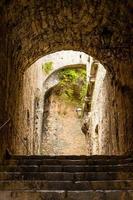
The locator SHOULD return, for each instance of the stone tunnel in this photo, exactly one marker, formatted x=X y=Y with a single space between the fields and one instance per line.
x=100 y=28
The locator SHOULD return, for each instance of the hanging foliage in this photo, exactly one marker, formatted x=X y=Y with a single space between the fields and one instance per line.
x=72 y=85
x=47 y=67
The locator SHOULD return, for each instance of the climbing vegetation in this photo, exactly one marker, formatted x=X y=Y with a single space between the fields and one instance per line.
x=72 y=86
x=47 y=67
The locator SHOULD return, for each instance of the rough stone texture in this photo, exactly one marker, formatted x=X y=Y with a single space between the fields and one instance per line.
x=32 y=195
x=61 y=133
x=98 y=123
x=109 y=119
x=27 y=123
x=106 y=118
x=35 y=83
x=31 y=29
x=67 y=178
x=61 y=195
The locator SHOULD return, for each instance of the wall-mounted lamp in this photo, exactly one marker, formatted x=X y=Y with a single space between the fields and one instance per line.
x=79 y=112
x=106 y=35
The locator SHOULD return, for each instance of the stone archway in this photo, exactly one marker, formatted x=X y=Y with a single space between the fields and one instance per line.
x=48 y=26
x=61 y=127
x=65 y=129
x=35 y=83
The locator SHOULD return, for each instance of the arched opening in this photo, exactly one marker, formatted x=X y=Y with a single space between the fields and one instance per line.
x=47 y=28
x=97 y=124
x=29 y=106
x=37 y=81
x=105 y=126
x=61 y=130
x=61 y=113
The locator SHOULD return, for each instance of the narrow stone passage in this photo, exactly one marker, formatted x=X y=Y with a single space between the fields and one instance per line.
x=63 y=135
x=54 y=88
x=98 y=35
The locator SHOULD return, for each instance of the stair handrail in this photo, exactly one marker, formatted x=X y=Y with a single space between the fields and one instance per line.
x=17 y=135
x=5 y=123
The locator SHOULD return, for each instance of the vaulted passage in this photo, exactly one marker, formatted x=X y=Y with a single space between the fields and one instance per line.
x=52 y=91
x=50 y=26
x=31 y=30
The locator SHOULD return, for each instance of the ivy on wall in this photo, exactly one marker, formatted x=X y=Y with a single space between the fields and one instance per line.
x=72 y=85
x=47 y=67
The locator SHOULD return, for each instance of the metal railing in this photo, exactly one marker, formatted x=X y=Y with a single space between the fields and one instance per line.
x=4 y=124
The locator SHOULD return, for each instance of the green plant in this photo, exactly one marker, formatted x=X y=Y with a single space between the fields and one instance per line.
x=47 y=67
x=72 y=86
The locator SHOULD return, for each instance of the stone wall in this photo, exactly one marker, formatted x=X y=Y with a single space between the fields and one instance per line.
x=3 y=95
x=28 y=112
x=61 y=133
x=28 y=115
x=5 y=63
x=32 y=29
x=109 y=118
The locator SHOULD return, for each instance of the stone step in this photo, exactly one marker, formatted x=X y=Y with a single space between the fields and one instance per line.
x=67 y=168
x=67 y=185
x=66 y=161
x=73 y=157
x=67 y=195
x=66 y=176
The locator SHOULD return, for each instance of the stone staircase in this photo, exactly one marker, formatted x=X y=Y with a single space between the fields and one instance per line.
x=67 y=178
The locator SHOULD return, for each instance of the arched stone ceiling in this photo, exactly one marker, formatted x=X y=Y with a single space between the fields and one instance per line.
x=36 y=28
x=48 y=78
